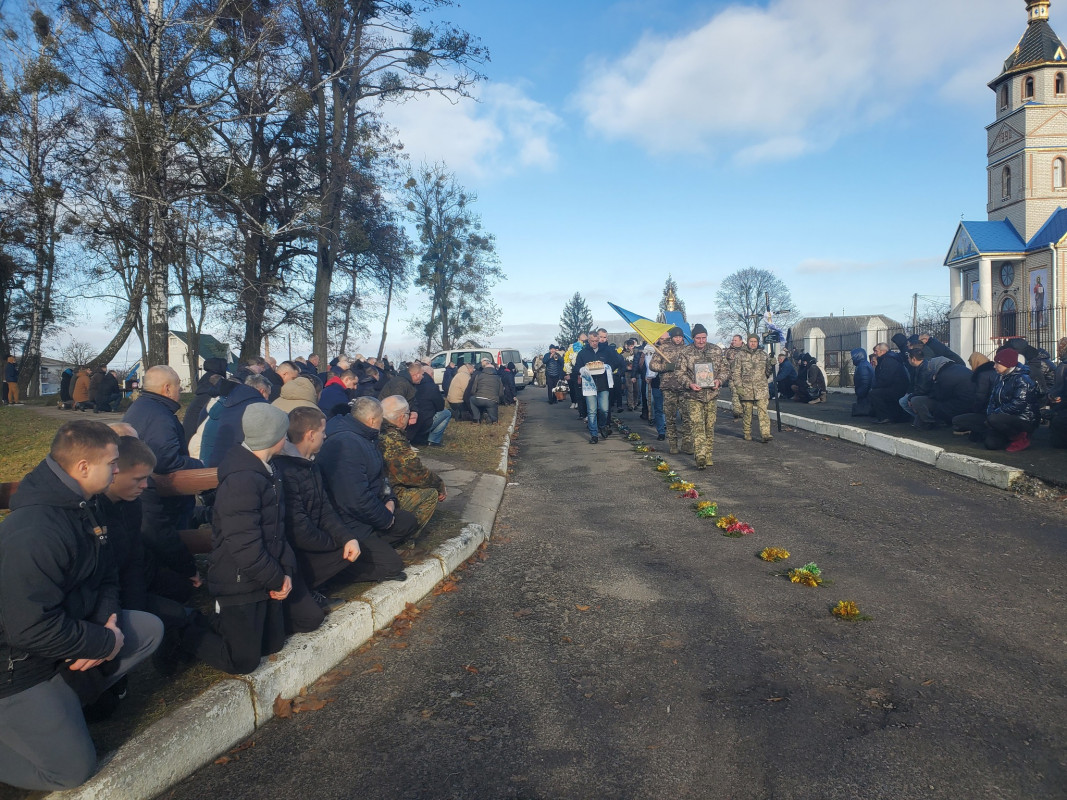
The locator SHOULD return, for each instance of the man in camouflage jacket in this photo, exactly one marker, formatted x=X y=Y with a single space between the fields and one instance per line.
x=702 y=408
x=667 y=361
x=751 y=369
x=417 y=489
x=737 y=345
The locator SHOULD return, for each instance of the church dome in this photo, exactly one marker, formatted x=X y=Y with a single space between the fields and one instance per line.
x=1039 y=45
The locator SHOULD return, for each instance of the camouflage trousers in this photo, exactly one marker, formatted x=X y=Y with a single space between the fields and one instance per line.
x=760 y=407
x=702 y=423
x=736 y=399
x=679 y=435
x=420 y=502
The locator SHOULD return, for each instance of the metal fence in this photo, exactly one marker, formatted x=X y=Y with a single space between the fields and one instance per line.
x=1040 y=327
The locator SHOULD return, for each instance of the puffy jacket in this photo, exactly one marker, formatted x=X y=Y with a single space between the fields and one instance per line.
x=458 y=386
x=863 y=379
x=935 y=348
x=891 y=374
x=299 y=392
x=80 y=393
x=311 y=523
x=553 y=367
x=106 y=389
x=428 y=402
x=1014 y=393
x=399 y=385
x=354 y=475
x=788 y=372
x=206 y=388
x=983 y=378
x=486 y=383
x=222 y=429
x=921 y=379
x=249 y=554
x=58 y=583
x=152 y=416
x=334 y=398
x=952 y=388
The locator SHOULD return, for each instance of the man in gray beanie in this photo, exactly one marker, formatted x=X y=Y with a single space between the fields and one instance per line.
x=252 y=565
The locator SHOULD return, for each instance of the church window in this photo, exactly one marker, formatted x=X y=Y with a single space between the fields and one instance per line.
x=1028 y=88
x=1059 y=173
x=1004 y=97
x=1007 y=317
x=1005 y=182
x=1061 y=83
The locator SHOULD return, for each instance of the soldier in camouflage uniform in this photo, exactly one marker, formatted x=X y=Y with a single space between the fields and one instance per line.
x=737 y=344
x=674 y=385
x=417 y=489
x=701 y=401
x=751 y=369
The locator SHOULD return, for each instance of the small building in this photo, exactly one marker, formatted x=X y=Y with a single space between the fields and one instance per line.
x=210 y=347
x=52 y=374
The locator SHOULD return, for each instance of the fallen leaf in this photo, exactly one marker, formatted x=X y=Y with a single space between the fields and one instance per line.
x=469 y=703
x=581 y=608
x=774 y=699
x=310 y=704
x=375 y=668
x=244 y=746
x=446 y=587
x=222 y=760
x=472 y=670
x=654 y=747
x=523 y=612
x=590 y=694
x=283 y=708
x=427 y=713
x=398 y=645
x=927 y=683
x=855 y=483
x=565 y=639
x=476 y=738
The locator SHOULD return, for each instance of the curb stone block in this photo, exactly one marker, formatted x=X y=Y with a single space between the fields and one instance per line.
x=919 y=451
x=988 y=472
x=828 y=429
x=309 y=656
x=882 y=442
x=190 y=737
x=459 y=548
x=853 y=434
x=388 y=599
x=484 y=500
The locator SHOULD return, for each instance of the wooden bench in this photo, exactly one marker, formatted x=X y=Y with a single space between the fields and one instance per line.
x=174 y=484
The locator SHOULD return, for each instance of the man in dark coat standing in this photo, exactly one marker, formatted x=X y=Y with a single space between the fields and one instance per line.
x=553 y=362
x=354 y=474
x=152 y=415
x=59 y=603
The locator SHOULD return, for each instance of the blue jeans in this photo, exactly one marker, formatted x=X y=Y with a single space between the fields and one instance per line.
x=596 y=409
x=905 y=404
x=657 y=412
x=437 y=429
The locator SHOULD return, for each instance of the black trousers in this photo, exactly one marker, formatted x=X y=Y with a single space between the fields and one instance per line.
x=995 y=430
x=238 y=636
x=378 y=559
x=552 y=380
x=886 y=404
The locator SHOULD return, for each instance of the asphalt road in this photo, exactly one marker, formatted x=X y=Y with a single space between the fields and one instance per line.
x=614 y=645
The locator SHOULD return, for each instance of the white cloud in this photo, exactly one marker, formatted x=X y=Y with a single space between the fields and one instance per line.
x=504 y=133
x=770 y=83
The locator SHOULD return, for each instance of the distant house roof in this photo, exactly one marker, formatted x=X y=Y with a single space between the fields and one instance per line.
x=1039 y=45
x=839 y=326
x=210 y=347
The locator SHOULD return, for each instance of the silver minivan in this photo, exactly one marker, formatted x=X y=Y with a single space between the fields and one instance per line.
x=500 y=357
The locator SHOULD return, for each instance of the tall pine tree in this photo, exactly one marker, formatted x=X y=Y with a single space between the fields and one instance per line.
x=576 y=319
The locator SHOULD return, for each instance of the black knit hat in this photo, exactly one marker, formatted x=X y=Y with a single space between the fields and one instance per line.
x=675 y=331
x=698 y=328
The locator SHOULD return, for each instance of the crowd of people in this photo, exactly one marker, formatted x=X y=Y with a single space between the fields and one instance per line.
x=998 y=402
x=673 y=384
x=319 y=484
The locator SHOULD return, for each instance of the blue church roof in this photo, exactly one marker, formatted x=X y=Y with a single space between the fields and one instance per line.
x=1051 y=232
x=994 y=237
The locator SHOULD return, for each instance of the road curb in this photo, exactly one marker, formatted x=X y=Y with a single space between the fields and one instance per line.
x=229 y=712
x=988 y=472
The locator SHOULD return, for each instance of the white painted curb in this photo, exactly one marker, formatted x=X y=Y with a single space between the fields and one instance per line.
x=230 y=711
x=988 y=472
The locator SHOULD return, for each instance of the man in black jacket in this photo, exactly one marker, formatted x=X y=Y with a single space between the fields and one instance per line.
x=170 y=564
x=553 y=371
x=432 y=417
x=324 y=547
x=951 y=394
x=252 y=565
x=354 y=474
x=890 y=384
x=60 y=612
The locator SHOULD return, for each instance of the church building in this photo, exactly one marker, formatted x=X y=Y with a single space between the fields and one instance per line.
x=1008 y=273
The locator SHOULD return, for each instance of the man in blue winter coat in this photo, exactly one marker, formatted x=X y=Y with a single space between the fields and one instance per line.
x=863 y=381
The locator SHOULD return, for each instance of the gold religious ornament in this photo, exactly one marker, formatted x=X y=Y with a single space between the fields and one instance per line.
x=671 y=300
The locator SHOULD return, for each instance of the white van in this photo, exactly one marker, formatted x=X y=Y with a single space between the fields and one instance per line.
x=499 y=357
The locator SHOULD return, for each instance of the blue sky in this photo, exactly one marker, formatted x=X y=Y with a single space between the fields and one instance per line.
x=834 y=142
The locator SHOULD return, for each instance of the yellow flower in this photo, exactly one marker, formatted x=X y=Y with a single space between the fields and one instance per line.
x=846 y=609
x=662 y=467
x=804 y=577
x=727 y=521
x=774 y=554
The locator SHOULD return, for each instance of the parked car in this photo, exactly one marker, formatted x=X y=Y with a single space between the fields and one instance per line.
x=500 y=357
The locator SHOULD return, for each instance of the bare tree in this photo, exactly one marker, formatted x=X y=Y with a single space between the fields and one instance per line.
x=742 y=301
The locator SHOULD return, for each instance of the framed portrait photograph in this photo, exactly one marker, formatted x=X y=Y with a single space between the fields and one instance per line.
x=705 y=375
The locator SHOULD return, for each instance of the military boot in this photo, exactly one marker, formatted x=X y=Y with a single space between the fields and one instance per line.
x=672 y=447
